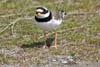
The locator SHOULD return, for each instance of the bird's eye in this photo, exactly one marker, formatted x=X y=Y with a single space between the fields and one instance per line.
x=36 y=12
x=45 y=11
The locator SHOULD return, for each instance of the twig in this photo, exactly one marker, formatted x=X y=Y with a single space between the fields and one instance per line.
x=9 y=15
x=29 y=18
x=13 y=23
x=5 y=28
x=9 y=25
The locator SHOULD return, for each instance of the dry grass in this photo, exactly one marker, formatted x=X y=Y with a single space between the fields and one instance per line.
x=79 y=34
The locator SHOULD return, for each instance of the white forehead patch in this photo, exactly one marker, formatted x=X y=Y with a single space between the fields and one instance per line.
x=39 y=10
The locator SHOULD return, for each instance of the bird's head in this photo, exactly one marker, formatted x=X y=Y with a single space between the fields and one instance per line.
x=42 y=12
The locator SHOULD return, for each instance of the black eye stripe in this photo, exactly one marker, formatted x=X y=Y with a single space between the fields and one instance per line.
x=44 y=10
x=38 y=12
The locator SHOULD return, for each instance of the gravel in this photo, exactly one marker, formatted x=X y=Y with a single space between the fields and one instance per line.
x=53 y=61
x=49 y=60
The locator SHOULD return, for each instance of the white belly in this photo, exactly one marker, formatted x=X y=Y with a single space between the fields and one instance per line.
x=53 y=24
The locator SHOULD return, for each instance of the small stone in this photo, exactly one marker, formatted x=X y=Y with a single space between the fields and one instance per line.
x=54 y=60
x=64 y=62
x=71 y=60
x=69 y=57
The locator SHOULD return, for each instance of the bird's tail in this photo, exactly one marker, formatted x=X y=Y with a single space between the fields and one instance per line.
x=62 y=14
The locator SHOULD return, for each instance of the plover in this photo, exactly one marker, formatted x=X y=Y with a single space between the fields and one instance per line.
x=48 y=20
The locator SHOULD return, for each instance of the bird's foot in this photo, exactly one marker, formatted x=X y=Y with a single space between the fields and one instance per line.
x=45 y=46
x=55 y=46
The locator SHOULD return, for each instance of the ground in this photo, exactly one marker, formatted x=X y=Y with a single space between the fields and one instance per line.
x=21 y=41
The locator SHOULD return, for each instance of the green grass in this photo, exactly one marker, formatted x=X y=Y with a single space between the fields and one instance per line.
x=75 y=40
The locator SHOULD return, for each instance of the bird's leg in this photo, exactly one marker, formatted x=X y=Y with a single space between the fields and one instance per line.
x=45 y=37
x=55 y=42
x=34 y=37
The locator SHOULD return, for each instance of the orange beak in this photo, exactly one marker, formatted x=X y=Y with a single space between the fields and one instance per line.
x=39 y=14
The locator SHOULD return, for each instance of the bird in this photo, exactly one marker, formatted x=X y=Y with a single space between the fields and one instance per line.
x=46 y=20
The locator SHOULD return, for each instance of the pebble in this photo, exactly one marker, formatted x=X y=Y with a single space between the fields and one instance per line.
x=12 y=51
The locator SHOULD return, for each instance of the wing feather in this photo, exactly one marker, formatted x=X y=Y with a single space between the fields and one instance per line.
x=57 y=14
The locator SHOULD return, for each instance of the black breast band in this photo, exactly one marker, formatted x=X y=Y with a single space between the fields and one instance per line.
x=44 y=19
